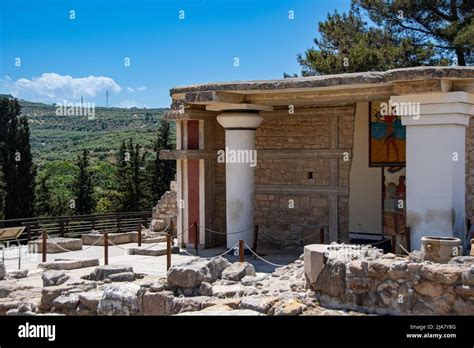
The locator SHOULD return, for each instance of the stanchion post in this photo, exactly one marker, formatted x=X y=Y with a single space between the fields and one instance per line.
x=241 y=250
x=168 y=251
x=139 y=235
x=407 y=237
x=19 y=254
x=255 y=239
x=106 y=248
x=44 y=246
x=321 y=235
x=196 y=237
x=394 y=243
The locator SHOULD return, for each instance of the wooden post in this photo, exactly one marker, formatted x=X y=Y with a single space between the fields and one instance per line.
x=255 y=239
x=106 y=248
x=196 y=239
x=171 y=225
x=61 y=228
x=28 y=232
x=408 y=237
x=139 y=235
x=168 y=251
x=119 y=223
x=19 y=254
x=321 y=235
x=394 y=243
x=44 y=246
x=37 y=228
x=241 y=251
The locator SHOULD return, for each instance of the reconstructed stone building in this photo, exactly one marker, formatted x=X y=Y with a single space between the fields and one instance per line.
x=317 y=140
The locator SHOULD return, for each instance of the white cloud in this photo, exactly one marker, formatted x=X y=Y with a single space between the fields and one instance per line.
x=50 y=87
x=139 y=89
x=131 y=104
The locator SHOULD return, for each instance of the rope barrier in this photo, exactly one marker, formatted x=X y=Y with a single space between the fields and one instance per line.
x=67 y=250
x=186 y=252
x=296 y=242
x=379 y=242
x=308 y=237
x=405 y=250
x=232 y=248
x=186 y=230
x=224 y=233
x=261 y=258
x=118 y=246
x=212 y=257
x=151 y=246
x=8 y=259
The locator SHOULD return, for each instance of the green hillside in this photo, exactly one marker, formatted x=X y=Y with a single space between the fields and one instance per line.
x=64 y=137
x=56 y=142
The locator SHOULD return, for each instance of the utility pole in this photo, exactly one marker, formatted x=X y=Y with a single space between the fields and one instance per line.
x=107 y=98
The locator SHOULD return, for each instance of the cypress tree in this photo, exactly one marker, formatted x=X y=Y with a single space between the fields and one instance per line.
x=44 y=205
x=83 y=188
x=161 y=172
x=2 y=194
x=26 y=171
x=130 y=177
x=16 y=161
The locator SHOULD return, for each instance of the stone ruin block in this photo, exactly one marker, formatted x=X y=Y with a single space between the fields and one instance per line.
x=56 y=245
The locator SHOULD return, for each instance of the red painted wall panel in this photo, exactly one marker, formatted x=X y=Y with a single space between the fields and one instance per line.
x=193 y=180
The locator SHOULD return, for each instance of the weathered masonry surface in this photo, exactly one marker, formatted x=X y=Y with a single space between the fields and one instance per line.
x=305 y=145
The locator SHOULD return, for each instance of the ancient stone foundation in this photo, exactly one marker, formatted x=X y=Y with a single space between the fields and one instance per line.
x=361 y=278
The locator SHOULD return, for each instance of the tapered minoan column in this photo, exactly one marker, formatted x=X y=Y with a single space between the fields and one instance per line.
x=435 y=162
x=240 y=157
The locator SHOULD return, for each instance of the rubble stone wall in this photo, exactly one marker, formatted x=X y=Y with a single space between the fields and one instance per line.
x=166 y=208
x=387 y=284
x=470 y=170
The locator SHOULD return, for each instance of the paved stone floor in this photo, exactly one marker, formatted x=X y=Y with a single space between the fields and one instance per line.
x=151 y=265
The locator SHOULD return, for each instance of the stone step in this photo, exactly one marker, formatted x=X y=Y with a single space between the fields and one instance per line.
x=156 y=251
x=63 y=264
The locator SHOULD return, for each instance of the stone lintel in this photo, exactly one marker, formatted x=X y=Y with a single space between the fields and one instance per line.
x=303 y=153
x=224 y=106
x=302 y=190
x=177 y=115
x=187 y=154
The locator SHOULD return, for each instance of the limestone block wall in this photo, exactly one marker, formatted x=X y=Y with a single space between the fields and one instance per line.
x=301 y=177
x=295 y=192
x=387 y=284
x=305 y=186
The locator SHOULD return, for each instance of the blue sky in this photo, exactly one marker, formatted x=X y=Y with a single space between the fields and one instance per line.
x=63 y=58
